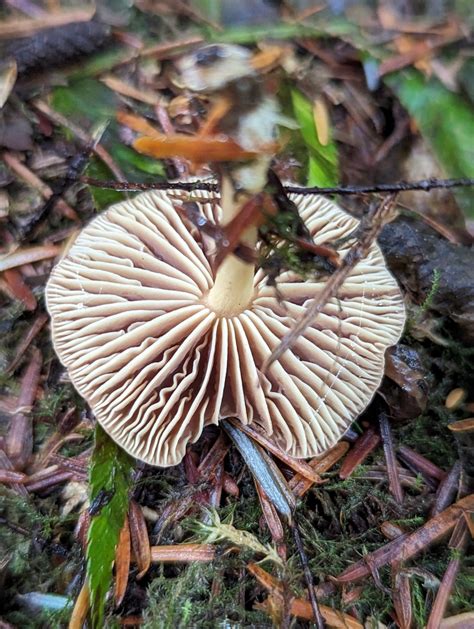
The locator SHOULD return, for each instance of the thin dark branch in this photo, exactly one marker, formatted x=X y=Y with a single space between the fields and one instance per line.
x=425 y=185
x=318 y=617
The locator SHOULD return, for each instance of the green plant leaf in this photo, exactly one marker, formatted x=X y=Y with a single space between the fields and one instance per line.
x=110 y=482
x=322 y=167
x=446 y=122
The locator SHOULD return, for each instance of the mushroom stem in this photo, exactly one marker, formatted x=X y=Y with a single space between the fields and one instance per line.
x=233 y=287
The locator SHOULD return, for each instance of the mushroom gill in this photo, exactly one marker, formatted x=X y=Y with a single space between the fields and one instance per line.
x=157 y=361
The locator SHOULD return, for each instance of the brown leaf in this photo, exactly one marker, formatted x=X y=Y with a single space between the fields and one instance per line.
x=81 y=609
x=122 y=563
x=139 y=538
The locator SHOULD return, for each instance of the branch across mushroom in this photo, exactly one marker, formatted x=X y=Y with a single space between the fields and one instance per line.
x=158 y=357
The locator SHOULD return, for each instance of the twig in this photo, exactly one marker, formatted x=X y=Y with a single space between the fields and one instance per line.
x=370 y=227
x=320 y=624
x=424 y=185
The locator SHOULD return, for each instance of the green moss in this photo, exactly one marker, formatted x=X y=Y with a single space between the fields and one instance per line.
x=200 y=595
x=28 y=538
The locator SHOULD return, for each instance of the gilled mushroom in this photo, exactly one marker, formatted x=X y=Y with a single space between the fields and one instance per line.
x=161 y=346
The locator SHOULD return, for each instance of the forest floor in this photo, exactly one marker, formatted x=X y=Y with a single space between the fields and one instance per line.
x=379 y=96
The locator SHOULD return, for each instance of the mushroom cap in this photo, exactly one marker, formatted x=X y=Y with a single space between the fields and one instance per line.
x=156 y=364
x=211 y=67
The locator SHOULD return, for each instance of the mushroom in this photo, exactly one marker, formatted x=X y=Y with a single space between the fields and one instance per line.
x=161 y=345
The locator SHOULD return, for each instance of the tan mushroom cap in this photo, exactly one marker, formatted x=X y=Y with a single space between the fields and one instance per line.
x=156 y=364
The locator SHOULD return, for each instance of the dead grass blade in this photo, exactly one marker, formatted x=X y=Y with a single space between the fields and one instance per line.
x=122 y=563
x=447 y=490
x=25 y=342
x=420 y=463
x=6 y=464
x=11 y=477
x=182 y=553
x=401 y=596
x=213 y=458
x=273 y=521
x=35 y=182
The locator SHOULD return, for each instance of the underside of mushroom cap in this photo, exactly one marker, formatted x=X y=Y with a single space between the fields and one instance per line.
x=131 y=323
